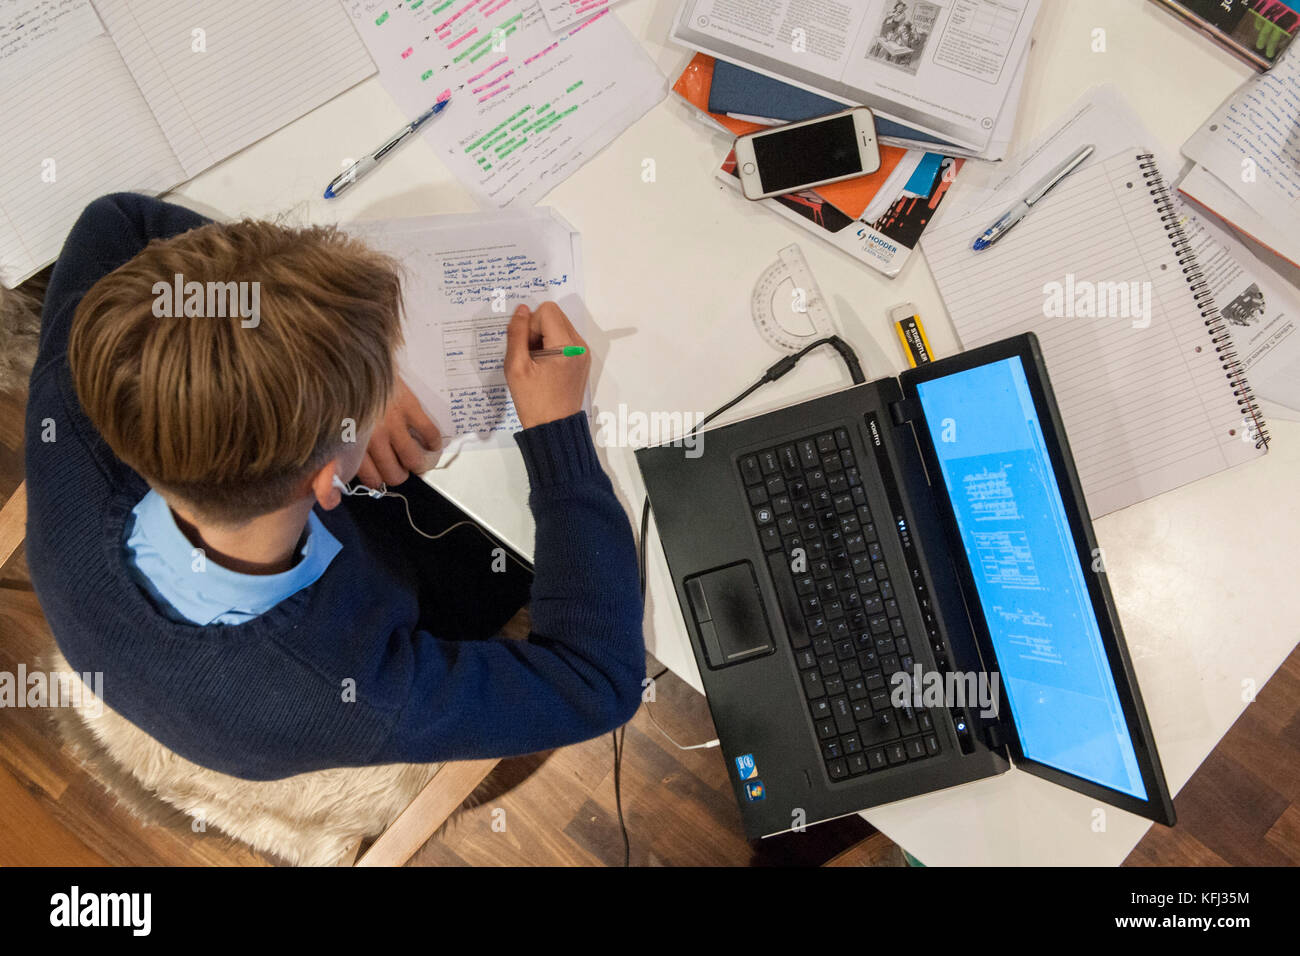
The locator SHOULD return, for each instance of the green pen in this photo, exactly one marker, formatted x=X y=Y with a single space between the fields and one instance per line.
x=568 y=351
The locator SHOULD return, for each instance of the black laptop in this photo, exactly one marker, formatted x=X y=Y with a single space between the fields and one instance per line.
x=896 y=588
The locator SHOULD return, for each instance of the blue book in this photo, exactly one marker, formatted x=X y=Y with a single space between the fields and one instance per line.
x=737 y=90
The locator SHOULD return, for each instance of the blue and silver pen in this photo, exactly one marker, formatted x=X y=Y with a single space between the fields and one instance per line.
x=1021 y=209
x=366 y=163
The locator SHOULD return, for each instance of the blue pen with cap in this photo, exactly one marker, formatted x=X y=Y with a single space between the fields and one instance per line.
x=1021 y=209
x=366 y=163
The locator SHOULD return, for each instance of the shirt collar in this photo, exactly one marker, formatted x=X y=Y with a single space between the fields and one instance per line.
x=203 y=590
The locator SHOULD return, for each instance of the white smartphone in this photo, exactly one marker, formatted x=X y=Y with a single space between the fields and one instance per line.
x=799 y=156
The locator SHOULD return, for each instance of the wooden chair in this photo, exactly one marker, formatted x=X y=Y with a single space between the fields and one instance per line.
x=450 y=785
x=422 y=817
x=13 y=523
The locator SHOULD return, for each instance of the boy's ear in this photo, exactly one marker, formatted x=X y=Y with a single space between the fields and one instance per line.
x=322 y=485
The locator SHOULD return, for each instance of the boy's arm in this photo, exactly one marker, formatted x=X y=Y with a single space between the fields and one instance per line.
x=579 y=673
x=111 y=230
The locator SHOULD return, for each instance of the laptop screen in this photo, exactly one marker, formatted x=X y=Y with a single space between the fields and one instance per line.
x=1013 y=526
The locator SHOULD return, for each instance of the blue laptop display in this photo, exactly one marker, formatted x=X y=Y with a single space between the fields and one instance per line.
x=1028 y=574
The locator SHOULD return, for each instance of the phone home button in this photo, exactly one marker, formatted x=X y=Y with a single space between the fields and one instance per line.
x=748 y=169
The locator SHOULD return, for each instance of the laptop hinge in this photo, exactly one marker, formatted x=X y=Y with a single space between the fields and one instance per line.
x=901 y=412
x=993 y=734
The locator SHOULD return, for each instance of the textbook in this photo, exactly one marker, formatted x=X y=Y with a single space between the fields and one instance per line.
x=884 y=235
x=947 y=70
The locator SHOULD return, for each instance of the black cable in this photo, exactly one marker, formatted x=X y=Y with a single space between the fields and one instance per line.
x=774 y=372
x=781 y=368
x=645 y=525
x=618 y=793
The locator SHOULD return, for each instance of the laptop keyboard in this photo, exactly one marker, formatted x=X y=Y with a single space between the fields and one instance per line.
x=808 y=495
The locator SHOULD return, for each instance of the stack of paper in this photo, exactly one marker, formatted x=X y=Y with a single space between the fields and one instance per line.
x=1248 y=160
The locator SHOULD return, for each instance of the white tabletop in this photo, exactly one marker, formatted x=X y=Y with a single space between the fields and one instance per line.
x=1203 y=576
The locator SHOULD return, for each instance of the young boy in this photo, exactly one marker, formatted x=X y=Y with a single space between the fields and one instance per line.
x=185 y=536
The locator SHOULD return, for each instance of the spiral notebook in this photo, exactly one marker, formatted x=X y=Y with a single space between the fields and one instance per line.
x=1141 y=361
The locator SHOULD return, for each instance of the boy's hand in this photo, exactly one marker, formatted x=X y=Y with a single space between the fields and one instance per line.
x=394 y=450
x=549 y=388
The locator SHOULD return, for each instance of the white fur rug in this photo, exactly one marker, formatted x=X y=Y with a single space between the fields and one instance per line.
x=308 y=820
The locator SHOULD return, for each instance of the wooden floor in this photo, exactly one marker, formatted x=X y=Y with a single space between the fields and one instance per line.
x=1242 y=807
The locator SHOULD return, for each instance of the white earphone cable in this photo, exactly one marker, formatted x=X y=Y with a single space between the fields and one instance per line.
x=383 y=492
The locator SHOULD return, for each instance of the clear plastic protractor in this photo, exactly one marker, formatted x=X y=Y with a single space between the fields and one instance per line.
x=789 y=309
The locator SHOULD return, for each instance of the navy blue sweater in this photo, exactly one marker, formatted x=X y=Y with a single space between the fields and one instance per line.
x=268 y=698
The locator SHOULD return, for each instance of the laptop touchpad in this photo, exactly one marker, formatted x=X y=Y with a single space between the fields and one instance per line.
x=729 y=616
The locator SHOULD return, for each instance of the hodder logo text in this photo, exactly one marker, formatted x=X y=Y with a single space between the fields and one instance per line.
x=1084 y=299
x=210 y=300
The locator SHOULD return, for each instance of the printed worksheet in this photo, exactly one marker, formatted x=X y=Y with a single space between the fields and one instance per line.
x=528 y=105
x=465 y=274
x=943 y=66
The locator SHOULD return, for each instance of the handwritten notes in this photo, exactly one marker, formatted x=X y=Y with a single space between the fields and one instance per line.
x=529 y=105
x=464 y=276
x=34 y=32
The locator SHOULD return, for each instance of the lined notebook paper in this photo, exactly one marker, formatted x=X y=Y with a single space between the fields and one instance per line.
x=263 y=64
x=144 y=109
x=63 y=131
x=1148 y=402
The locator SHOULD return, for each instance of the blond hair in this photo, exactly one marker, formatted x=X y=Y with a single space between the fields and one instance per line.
x=228 y=414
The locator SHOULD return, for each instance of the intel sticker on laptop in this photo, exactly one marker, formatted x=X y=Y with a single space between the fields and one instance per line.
x=746 y=767
x=754 y=790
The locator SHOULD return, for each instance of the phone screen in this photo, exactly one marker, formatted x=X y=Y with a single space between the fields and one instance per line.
x=791 y=158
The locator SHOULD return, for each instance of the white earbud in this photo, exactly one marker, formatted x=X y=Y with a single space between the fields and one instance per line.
x=379 y=492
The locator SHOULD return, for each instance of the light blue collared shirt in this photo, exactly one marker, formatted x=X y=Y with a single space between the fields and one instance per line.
x=163 y=562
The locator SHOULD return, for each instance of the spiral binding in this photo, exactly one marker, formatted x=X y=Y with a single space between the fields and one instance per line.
x=1220 y=336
